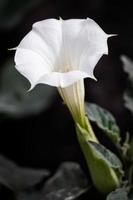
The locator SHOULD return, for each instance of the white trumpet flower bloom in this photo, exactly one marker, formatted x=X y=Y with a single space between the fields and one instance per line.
x=62 y=53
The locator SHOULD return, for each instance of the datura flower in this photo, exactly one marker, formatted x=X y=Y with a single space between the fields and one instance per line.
x=62 y=53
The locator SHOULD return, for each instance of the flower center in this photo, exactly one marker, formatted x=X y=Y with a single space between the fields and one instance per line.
x=67 y=68
x=64 y=69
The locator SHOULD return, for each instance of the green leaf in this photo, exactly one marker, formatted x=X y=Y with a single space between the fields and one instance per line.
x=68 y=183
x=119 y=194
x=17 y=178
x=104 y=120
x=15 y=100
x=107 y=155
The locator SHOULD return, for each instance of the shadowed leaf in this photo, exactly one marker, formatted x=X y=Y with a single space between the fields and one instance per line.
x=128 y=67
x=18 y=178
x=107 y=155
x=131 y=196
x=29 y=195
x=119 y=194
x=68 y=183
x=128 y=94
x=104 y=120
x=130 y=151
x=15 y=100
x=13 y=12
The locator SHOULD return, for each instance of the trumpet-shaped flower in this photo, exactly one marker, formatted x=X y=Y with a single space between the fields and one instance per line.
x=62 y=53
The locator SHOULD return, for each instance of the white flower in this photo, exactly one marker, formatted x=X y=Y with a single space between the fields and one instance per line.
x=61 y=53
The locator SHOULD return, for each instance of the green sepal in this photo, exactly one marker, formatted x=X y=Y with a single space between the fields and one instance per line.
x=103 y=174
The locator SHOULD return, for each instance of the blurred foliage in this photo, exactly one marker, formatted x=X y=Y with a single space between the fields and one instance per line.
x=131 y=196
x=104 y=120
x=119 y=194
x=69 y=182
x=128 y=98
x=13 y=12
x=128 y=95
x=15 y=100
x=16 y=178
x=130 y=151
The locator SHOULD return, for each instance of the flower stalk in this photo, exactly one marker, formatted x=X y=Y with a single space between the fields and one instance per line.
x=103 y=176
x=73 y=97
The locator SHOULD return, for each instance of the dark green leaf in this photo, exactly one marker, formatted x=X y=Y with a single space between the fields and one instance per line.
x=119 y=194
x=16 y=178
x=107 y=155
x=68 y=183
x=104 y=120
x=15 y=100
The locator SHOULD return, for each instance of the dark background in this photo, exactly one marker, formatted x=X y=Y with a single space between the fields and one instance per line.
x=48 y=138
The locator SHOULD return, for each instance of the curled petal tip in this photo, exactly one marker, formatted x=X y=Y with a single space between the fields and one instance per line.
x=31 y=88
x=94 y=78
x=60 y=18
x=88 y=18
x=12 y=49
x=112 y=35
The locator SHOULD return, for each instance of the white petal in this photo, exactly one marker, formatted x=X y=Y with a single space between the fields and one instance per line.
x=84 y=43
x=34 y=68
x=44 y=39
x=55 y=47
x=62 y=79
x=31 y=65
